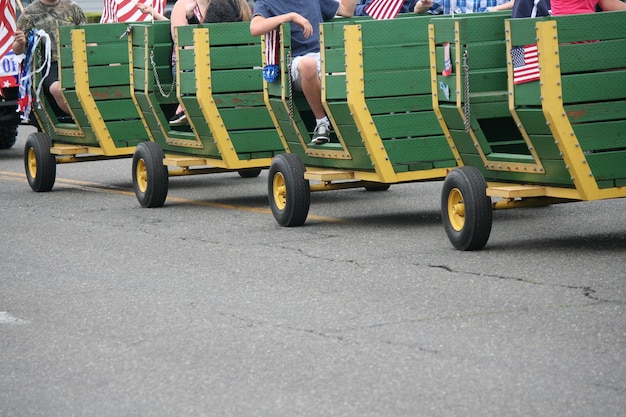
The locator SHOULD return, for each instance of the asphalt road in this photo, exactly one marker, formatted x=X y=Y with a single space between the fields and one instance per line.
x=206 y=307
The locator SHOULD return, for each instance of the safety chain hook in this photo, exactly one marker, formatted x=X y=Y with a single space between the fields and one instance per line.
x=158 y=81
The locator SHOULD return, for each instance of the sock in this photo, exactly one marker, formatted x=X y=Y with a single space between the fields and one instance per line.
x=323 y=120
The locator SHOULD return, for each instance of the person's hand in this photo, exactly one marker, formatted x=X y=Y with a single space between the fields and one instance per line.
x=144 y=8
x=423 y=5
x=20 y=37
x=307 y=28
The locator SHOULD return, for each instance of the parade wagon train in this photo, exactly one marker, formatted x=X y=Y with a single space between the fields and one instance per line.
x=554 y=134
x=399 y=112
x=376 y=93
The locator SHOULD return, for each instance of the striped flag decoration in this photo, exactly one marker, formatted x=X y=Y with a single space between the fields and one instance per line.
x=127 y=11
x=7 y=26
x=9 y=69
x=525 y=63
x=384 y=9
x=272 y=56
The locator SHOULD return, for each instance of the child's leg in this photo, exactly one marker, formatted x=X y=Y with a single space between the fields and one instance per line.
x=311 y=86
x=52 y=87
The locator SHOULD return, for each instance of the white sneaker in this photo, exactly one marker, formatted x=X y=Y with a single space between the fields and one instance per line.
x=321 y=134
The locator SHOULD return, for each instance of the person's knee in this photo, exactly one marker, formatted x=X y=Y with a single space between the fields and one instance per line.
x=57 y=95
x=308 y=69
x=55 y=90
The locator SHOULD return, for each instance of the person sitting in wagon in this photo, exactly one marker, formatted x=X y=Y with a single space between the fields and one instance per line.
x=193 y=12
x=48 y=15
x=304 y=17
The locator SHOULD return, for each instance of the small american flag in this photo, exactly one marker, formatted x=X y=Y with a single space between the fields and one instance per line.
x=525 y=63
x=7 y=26
x=384 y=9
x=127 y=11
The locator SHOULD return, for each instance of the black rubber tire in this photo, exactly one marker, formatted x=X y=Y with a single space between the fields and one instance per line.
x=381 y=187
x=39 y=164
x=8 y=136
x=249 y=172
x=289 y=193
x=469 y=226
x=150 y=176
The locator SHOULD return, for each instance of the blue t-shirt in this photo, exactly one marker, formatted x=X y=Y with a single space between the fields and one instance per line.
x=315 y=11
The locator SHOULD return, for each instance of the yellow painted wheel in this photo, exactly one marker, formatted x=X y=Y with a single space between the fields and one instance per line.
x=31 y=163
x=289 y=193
x=142 y=175
x=39 y=163
x=456 y=209
x=279 y=191
x=466 y=209
x=150 y=176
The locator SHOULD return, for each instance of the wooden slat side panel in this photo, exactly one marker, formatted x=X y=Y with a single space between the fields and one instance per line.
x=587 y=27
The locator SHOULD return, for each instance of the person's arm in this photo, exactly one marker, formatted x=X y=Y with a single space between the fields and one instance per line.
x=346 y=8
x=182 y=10
x=611 y=5
x=422 y=6
x=24 y=24
x=19 y=42
x=260 y=25
x=79 y=17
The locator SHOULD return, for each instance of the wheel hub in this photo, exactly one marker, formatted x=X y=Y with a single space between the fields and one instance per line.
x=142 y=175
x=32 y=163
x=279 y=191
x=456 y=209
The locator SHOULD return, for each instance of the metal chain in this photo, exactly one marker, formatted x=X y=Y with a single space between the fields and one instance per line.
x=290 y=86
x=466 y=93
x=158 y=81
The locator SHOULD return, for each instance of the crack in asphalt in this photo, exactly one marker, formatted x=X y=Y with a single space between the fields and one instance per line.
x=587 y=291
x=313 y=332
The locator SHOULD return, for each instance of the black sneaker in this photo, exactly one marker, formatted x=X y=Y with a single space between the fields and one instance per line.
x=321 y=134
x=179 y=119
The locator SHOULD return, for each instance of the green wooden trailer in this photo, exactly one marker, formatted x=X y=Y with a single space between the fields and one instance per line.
x=559 y=138
x=94 y=72
x=376 y=92
x=219 y=84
